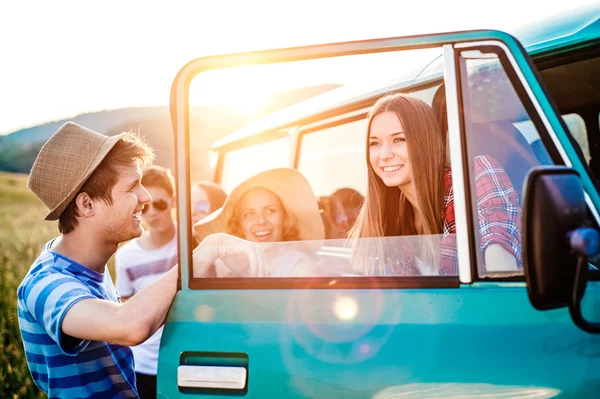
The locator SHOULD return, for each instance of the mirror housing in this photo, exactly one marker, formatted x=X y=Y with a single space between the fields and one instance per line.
x=553 y=205
x=556 y=244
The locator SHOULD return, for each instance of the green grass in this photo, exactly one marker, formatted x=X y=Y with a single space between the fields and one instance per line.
x=23 y=233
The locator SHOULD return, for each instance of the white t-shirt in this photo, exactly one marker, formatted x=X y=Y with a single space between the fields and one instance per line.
x=137 y=268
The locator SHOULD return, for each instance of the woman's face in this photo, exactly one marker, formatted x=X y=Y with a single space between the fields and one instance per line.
x=261 y=216
x=388 y=153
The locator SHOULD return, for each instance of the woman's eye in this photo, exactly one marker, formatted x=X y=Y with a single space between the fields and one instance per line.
x=399 y=140
x=247 y=215
x=271 y=210
x=373 y=143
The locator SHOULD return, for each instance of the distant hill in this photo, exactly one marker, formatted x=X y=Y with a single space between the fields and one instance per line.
x=102 y=121
x=19 y=149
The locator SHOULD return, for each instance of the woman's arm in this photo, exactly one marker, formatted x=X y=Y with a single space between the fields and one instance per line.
x=233 y=253
x=498 y=259
x=499 y=216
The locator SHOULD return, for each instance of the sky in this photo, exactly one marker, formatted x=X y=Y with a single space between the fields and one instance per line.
x=63 y=58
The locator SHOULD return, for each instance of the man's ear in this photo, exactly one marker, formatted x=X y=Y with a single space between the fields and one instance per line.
x=85 y=204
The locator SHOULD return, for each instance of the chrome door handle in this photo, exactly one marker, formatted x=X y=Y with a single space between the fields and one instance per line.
x=211 y=377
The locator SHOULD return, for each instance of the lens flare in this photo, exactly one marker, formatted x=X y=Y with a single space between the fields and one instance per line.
x=345 y=308
x=204 y=313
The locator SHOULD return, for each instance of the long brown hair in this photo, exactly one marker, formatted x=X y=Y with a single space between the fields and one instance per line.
x=386 y=212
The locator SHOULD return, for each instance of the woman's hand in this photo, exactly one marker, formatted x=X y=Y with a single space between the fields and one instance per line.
x=232 y=256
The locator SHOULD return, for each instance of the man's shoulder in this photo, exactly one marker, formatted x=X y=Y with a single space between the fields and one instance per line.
x=47 y=273
x=47 y=263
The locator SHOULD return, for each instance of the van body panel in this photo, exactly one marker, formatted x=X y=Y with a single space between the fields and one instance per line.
x=561 y=32
x=485 y=339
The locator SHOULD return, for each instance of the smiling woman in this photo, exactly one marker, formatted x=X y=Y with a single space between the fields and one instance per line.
x=410 y=193
x=272 y=206
x=260 y=217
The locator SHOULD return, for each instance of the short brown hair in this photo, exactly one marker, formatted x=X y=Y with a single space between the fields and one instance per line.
x=157 y=176
x=131 y=148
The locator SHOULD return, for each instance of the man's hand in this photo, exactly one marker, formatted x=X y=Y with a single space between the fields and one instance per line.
x=231 y=255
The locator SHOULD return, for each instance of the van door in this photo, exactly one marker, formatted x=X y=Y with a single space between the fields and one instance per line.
x=343 y=333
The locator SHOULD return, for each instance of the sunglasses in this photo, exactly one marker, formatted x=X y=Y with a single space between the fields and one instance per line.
x=160 y=205
x=201 y=207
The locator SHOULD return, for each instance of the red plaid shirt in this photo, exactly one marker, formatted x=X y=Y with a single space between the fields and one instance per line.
x=498 y=211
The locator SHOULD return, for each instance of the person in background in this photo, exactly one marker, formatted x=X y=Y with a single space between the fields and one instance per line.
x=144 y=260
x=334 y=217
x=351 y=201
x=207 y=197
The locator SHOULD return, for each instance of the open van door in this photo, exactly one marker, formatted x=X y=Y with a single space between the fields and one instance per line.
x=342 y=334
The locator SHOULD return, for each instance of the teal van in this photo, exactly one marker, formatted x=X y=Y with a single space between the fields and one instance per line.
x=531 y=101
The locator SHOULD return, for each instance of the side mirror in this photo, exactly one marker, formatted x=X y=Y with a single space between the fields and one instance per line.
x=556 y=245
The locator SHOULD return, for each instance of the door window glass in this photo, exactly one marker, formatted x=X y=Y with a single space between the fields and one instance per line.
x=323 y=152
x=575 y=124
x=372 y=195
x=502 y=145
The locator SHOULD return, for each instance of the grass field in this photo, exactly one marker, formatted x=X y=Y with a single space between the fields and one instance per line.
x=22 y=235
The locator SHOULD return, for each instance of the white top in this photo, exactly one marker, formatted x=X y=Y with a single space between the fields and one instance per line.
x=283 y=265
x=136 y=268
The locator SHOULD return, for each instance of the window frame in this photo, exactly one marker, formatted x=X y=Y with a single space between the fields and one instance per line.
x=335 y=117
x=558 y=152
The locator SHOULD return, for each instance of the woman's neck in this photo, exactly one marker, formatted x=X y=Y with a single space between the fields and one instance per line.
x=409 y=192
x=418 y=222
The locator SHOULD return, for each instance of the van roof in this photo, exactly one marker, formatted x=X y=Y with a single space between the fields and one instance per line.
x=564 y=30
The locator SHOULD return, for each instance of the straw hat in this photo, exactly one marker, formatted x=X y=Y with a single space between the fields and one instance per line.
x=65 y=162
x=295 y=194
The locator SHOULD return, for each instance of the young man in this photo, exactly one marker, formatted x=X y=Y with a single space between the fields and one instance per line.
x=75 y=332
x=143 y=260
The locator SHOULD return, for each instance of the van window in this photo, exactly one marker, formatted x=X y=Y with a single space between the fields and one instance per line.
x=575 y=124
x=503 y=145
x=324 y=152
x=245 y=162
x=300 y=220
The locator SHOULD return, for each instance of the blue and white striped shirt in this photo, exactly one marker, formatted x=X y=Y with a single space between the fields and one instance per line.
x=62 y=366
